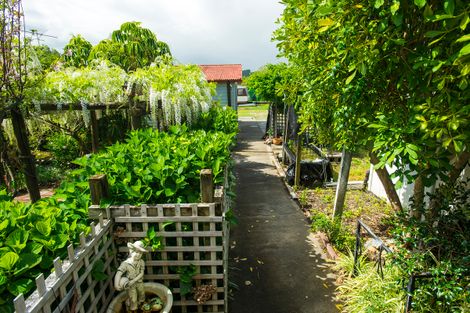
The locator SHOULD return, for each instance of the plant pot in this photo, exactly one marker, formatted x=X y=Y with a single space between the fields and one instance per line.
x=151 y=289
x=277 y=141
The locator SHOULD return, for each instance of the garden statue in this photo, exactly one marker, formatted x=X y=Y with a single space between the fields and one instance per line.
x=130 y=275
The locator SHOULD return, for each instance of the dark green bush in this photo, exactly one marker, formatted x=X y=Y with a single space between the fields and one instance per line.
x=63 y=148
x=218 y=118
x=341 y=238
x=440 y=245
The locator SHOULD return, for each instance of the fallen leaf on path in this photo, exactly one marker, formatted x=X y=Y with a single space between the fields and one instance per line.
x=260 y=262
x=247 y=282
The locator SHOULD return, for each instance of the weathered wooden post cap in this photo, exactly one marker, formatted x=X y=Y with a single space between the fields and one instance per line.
x=98 y=188
x=207 y=186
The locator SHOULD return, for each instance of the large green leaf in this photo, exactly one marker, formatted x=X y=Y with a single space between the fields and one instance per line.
x=58 y=242
x=98 y=271
x=17 y=240
x=3 y=278
x=465 y=50
x=23 y=285
x=420 y=3
x=33 y=247
x=26 y=262
x=44 y=227
x=463 y=38
x=4 y=224
x=378 y=3
x=350 y=78
x=8 y=260
x=449 y=6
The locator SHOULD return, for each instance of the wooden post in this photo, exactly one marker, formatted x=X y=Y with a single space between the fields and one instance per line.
x=298 y=158
x=134 y=109
x=99 y=188
x=26 y=158
x=274 y=121
x=342 y=183
x=207 y=186
x=285 y=138
x=94 y=132
x=136 y=116
x=268 y=121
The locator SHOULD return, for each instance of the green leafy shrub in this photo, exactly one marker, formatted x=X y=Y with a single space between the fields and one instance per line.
x=369 y=293
x=159 y=167
x=33 y=235
x=219 y=119
x=50 y=175
x=340 y=237
x=439 y=245
x=63 y=147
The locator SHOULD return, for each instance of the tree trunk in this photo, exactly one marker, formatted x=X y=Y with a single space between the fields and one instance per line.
x=458 y=166
x=298 y=160
x=26 y=158
x=94 y=132
x=418 y=197
x=387 y=183
x=342 y=186
x=3 y=159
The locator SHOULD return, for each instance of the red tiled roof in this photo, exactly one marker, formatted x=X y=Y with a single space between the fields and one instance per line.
x=222 y=72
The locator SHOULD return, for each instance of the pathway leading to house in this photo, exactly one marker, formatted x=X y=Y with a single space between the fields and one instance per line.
x=272 y=261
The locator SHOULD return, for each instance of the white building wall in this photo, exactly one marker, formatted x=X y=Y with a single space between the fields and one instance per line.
x=406 y=191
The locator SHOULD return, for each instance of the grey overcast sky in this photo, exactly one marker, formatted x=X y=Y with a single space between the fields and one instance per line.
x=197 y=31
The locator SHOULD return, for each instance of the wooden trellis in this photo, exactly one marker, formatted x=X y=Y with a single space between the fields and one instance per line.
x=196 y=236
x=71 y=287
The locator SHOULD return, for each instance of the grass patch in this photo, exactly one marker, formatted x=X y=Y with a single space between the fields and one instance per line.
x=258 y=112
x=368 y=292
x=375 y=212
x=359 y=167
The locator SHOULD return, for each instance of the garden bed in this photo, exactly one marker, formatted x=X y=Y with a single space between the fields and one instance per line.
x=374 y=211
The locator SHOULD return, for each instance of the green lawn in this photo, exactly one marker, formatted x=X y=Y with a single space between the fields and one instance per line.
x=258 y=112
x=359 y=167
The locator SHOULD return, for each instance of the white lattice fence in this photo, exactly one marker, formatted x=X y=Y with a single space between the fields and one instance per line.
x=197 y=236
x=71 y=287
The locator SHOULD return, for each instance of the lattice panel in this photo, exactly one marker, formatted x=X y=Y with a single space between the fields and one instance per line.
x=71 y=287
x=194 y=237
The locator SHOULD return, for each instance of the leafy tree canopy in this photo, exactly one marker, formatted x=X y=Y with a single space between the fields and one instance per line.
x=45 y=56
x=76 y=52
x=131 y=47
x=388 y=75
x=272 y=82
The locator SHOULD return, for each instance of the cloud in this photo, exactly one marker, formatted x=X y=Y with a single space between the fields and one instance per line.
x=198 y=31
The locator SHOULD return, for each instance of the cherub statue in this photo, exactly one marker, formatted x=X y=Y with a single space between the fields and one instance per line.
x=130 y=275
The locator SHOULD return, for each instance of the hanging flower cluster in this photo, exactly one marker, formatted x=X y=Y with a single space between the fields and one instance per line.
x=182 y=89
x=102 y=82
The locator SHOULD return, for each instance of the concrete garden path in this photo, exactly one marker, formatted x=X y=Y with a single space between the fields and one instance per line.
x=273 y=262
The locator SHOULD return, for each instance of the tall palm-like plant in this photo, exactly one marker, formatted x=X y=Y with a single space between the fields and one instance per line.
x=131 y=47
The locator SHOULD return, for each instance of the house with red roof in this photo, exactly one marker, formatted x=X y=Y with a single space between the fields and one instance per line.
x=227 y=77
